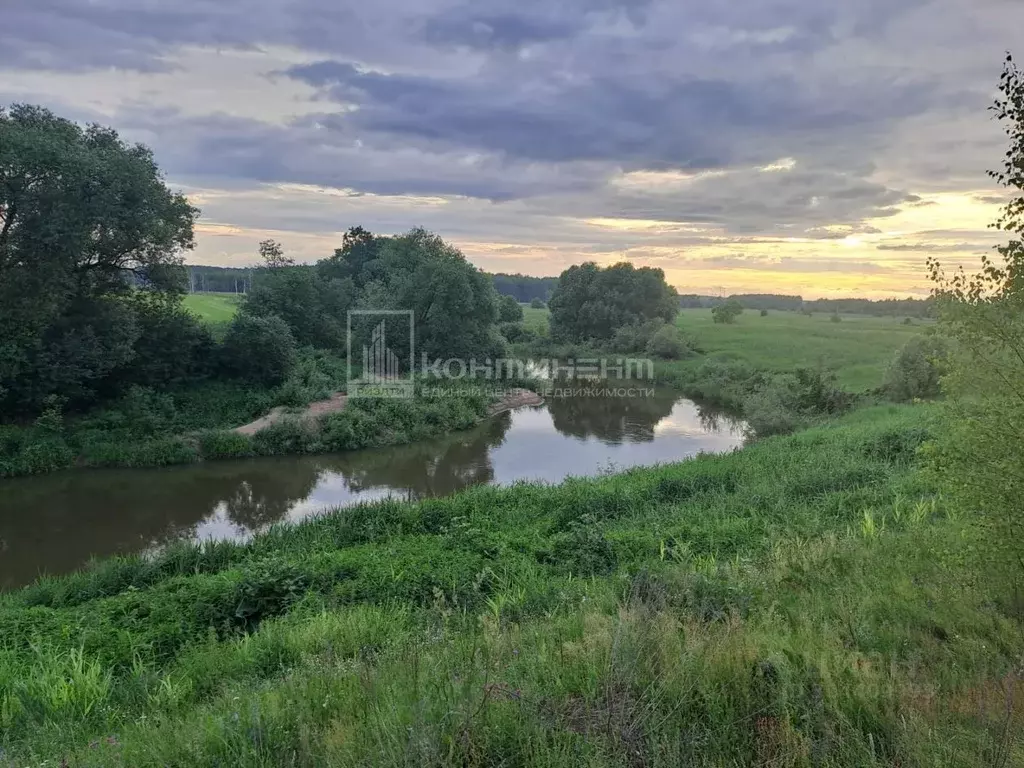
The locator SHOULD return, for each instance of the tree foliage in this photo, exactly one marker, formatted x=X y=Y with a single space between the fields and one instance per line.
x=509 y=310
x=591 y=303
x=981 y=462
x=260 y=350
x=727 y=312
x=85 y=220
x=916 y=370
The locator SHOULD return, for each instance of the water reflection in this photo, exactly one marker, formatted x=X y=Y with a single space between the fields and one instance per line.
x=57 y=522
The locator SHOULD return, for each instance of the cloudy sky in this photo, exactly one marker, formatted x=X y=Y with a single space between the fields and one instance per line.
x=821 y=147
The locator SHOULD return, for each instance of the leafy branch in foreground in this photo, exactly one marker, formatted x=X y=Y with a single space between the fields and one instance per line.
x=980 y=461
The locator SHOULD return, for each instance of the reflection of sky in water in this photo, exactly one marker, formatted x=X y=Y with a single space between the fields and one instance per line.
x=76 y=515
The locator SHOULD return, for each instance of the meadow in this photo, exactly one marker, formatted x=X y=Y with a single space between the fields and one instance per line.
x=213 y=308
x=807 y=601
x=857 y=348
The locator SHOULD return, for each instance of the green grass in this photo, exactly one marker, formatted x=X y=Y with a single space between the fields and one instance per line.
x=536 y=319
x=213 y=308
x=808 y=601
x=859 y=348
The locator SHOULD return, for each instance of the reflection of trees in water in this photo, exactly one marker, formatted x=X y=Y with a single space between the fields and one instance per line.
x=611 y=419
x=716 y=420
x=264 y=496
x=434 y=468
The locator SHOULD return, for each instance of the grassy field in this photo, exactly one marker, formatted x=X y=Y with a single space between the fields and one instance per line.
x=858 y=348
x=214 y=308
x=536 y=319
x=808 y=601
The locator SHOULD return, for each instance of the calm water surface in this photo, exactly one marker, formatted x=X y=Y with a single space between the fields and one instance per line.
x=55 y=523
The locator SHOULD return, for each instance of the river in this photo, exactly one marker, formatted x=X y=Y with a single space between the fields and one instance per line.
x=55 y=523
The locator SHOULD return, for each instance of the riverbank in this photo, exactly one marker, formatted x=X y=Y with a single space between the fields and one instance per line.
x=807 y=598
x=149 y=430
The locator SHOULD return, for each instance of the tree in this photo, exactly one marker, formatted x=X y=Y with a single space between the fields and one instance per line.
x=85 y=219
x=454 y=304
x=591 y=303
x=981 y=461
x=359 y=250
x=727 y=312
x=260 y=350
x=916 y=369
x=509 y=310
x=272 y=253
x=313 y=307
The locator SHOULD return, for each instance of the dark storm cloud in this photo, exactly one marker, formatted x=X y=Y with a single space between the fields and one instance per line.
x=669 y=123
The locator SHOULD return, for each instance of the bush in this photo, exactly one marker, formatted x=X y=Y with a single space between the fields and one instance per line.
x=260 y=350
x=158 y=452
x=516 y=333
x=835 y=318
x=537 y=303
x=224 y=444
x=764 y=313
x=316 y=376
x=790 y=401
x=667 y=343
x=916 y=370
x=633 y=338
x=509 y=310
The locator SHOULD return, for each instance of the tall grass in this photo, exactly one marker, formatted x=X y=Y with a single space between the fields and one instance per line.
x=730 y=610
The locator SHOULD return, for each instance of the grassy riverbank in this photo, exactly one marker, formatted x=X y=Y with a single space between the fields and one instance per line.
x=806 y=601
x=149 y=430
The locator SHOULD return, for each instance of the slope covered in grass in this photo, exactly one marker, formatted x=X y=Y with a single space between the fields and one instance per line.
x=805 y=601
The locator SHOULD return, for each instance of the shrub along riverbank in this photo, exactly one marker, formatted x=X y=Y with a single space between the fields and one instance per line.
x=808 y=600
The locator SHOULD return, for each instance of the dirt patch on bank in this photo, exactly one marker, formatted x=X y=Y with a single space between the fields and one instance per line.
x=310 y=413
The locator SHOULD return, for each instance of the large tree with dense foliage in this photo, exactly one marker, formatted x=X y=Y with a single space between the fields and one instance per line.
x=982 y=461
x=454 y=304
x=85 y=220
x=591 y=303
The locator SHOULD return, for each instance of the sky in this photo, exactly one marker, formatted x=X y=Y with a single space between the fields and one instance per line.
x=816 y=147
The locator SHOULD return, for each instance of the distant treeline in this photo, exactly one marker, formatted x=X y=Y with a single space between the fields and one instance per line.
x=524 y=288
x=783 y=303
x=207 y=279
x=203 y=278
